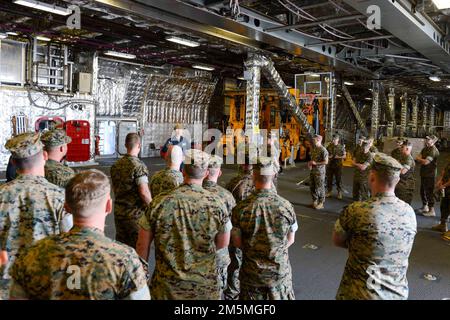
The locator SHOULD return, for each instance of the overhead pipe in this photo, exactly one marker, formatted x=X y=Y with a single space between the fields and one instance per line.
x=359 y=120
x=403 y=114
x=432 y=114
x=332 y=109
x=425 y=117
x=253 y=66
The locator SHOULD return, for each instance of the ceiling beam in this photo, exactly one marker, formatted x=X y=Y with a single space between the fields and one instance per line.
x=316 y=23
x=351 y=40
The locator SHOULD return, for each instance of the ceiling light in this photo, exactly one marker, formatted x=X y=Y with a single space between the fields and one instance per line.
x=338 y=95
x=120 y=54
x=434 y=78
x=42 y=38
x=3 y=36
x=241 y=78
x=203 y=67
x=448 y=87
x=348 y=83
x=182 y=41
x=11 y=33
x=368 y=98
x=442 y=4
x=314 y=75
x=44 y=6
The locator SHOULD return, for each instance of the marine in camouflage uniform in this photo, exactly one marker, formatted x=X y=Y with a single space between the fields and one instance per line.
x=126 y=175
x=360 y=178
x=379 y=234
x=428 y=173
x=336 y=153
x=319 y=155
x=397 y=152
x=443 y=185
x=406 y=186
x=31 y=208
x=262 y=223
x=165 y=180
x=82 y=263
x=56 y=172
x=210 y=184
x=184 y=225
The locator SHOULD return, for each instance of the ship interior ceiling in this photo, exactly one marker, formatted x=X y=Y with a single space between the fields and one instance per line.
x=387 y=59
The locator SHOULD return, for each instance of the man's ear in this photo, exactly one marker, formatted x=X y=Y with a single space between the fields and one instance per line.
x=108 y=207
x=45 y=155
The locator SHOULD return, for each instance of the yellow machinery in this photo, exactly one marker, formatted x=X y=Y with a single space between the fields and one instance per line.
x=271 y=118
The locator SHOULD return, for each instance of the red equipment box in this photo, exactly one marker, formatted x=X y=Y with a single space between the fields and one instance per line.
x=80 y=147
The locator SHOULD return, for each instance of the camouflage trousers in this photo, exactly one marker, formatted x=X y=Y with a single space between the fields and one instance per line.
x=317 y=185
x=4 y=288
x=336 y=173
x=126 y=224
x=283 y=291
x=427 y=191
x=232 y=290
x=405 y=190
x=445 y=209
x=361 y=190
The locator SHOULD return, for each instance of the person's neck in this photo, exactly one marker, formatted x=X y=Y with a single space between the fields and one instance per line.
x=89 y=224
x=133 y=152
x=265 y=186
x=191 y=181
x=212 y=179
x=55 y=157
x=376 y=190
x=32 y=172
x=174 y=167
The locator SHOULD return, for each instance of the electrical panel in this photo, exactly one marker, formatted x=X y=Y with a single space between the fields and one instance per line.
x=83 y=82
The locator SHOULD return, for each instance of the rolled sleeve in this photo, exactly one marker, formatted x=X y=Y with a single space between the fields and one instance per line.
x=141 y=180
x=339 y=229
x=294 y=227
x=144 y=223
x=429 y=158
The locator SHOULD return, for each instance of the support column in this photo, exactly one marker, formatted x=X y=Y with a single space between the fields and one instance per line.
x=425 y=117
x=375 y=110
x=391 y=110
x=361 y=124
x=415 y=109
x=403 y=114
x=252 y=66
x=432 y=125
x=332 y=109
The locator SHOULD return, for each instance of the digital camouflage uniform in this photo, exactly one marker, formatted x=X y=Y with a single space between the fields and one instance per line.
x=360 y=178
x=56 y=172
x=445 y=201
x=379 y=234
x=31 y=208
x=108 y=270
x=185 y=224
x=165 y=180
x=334 y=167
x=406 y=186
x=126 y=175
x=241 y=188
x=428 y=175
x=223 y=257
x=396 y=153
x=263 y=222
x=317 y=174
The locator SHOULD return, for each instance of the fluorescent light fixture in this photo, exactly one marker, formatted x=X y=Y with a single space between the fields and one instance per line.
x=43 y=6
x=448 y=87
x=42 y=38
x=314 y=75
x=241 y=78
x=338 y=95
x=120 y=54
x=182 y=41
x=348 y=83
x=442 y=4
x=434 y=78
x=3 y=36
x=196 y=66
x=11 y=33
x=368 y=98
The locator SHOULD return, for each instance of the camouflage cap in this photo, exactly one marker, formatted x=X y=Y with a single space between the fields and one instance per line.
x=178 y=126
x=407 y=143
x=266 y=166
x=383 y=162
x=432 y=137
x=197 y=158
x=215 y=162
x=336 y=136
x=55 y=138
x=24 y=145
x=366 y=143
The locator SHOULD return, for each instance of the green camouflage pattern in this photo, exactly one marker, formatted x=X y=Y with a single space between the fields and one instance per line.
x=430 y=170
x=165 y=180
x=380 y=234
x=264 y=220
x=360 y=178
x=31 y=208
x=55 y=138
x=241 y=186
x=407 y=184
x=24 y=145
x=334 y=167
x=317 y=174
x=108 y=269
x=185 y=224
x=197 y=158
x=58 y=173
x=223 y=257
x=126 y=175
x=283 y=291
x=397 y=153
